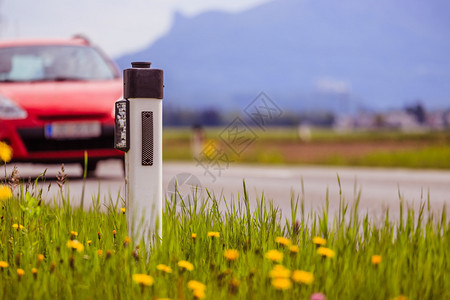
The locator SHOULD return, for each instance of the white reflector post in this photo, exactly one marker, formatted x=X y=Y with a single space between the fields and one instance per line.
x=143 y=91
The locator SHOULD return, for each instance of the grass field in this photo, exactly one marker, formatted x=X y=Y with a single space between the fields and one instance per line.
x=58 y=251
x=325 y=147
x=51 y=249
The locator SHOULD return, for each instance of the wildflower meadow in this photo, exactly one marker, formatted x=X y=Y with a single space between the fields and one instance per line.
x=51 y=249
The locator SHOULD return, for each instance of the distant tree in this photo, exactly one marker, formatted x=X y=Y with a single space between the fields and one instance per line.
x=380 y=121
x=418 y=111
x=210 y=117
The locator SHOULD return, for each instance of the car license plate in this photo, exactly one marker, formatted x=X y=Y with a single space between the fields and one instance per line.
x=73 y=130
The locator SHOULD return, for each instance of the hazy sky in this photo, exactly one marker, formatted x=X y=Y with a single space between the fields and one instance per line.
x=117 y=26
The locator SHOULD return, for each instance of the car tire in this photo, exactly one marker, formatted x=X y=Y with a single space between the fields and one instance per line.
x=90 y=170
x=123 y=166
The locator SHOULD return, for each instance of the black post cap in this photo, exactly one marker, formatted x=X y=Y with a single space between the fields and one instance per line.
x=140 y=81
x=141 y=64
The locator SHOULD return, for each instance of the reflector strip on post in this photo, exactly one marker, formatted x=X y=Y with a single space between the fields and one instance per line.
x=147 y=138
x=122 y=126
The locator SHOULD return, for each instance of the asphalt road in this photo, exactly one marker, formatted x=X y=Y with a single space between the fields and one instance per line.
x=380 y=188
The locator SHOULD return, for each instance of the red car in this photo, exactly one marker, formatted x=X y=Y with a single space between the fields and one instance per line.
x=57 y=100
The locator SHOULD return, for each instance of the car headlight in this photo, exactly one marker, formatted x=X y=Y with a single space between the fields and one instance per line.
x=10 y=110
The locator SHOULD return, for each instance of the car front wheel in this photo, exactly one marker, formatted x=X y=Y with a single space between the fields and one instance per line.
x=90 y=168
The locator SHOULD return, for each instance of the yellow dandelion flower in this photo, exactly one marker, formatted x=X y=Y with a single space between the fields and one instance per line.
x=274 y=255
x=199 y=294
x=325 y=252
x=231 y=254
x=186 y=265
x=5 y=152
x=193 y=236
x=234 y=286
x=89 y=242
x=3 y=264
x=34 y=271
x=376 y=259
x=294 y=249
x=143 y=279
x=17 y=226
x=300 y=276
x=196 y=285
x=74 y=233
x=75 y=245
x=279 y=271
x=213 y=234
x=99 y=252
x=5 y=192
x=319 y=241
x=40 y=257
x=122 y=210
x=164 y=268
x=235 y=283
x=400 y=297
x=283 y=241
x=20 y=272
x=282 y=283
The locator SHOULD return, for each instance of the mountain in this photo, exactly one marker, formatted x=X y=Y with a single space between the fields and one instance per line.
x=308 y=54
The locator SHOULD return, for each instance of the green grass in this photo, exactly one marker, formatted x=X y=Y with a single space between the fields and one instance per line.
x=414 y=250
x=426 y=158
x=320 y=135
x=423 y=149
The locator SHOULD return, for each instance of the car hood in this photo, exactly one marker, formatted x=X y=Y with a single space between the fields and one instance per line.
x=64 y=98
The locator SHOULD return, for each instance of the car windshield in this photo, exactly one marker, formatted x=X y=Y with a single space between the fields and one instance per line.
x=53 y=63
